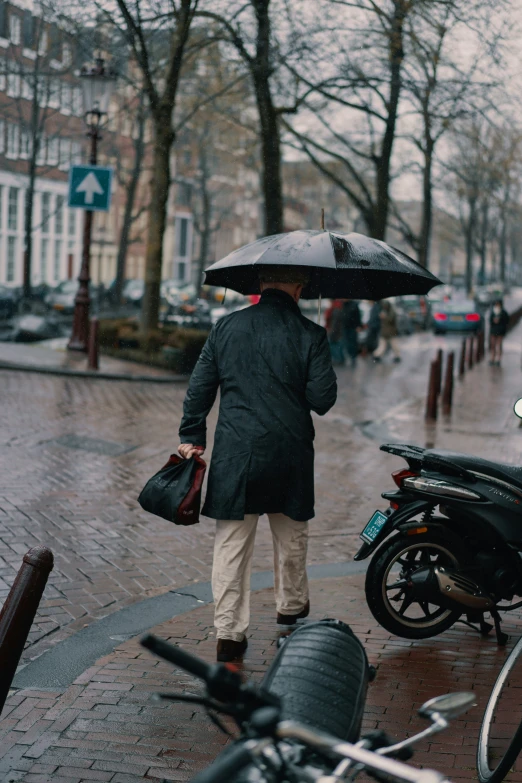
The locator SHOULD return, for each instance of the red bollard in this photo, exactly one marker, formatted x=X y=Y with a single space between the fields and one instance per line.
x=462 y=362
x=439 y=372
x=470 y=353
x=447 y=396
x=92 y=360
x=18 y=611
x=431 y=401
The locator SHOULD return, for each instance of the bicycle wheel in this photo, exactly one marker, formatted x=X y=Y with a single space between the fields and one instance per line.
x=500 y=739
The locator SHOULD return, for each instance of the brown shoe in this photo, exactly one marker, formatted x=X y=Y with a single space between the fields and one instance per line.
x=229 y=650
x=291 y=619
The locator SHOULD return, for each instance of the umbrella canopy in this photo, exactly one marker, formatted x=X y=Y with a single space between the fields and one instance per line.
x=344 y=266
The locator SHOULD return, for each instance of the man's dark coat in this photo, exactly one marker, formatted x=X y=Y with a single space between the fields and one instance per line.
x=272 y=367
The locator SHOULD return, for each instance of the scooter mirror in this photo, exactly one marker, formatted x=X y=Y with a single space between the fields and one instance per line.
x=449 y=706
x=517 y=408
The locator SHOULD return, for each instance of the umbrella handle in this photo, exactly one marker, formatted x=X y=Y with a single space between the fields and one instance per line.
x=319 y=310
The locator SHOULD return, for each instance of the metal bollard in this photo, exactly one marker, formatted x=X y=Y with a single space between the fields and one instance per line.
x=439 y=372
x=92 y=361
x=447 y=395
x=462 y=362
x=18 y=612
x=470 y=353
x=477 y=348
x=431 y=401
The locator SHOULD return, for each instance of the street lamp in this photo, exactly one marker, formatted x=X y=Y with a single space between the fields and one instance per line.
x=98 y=83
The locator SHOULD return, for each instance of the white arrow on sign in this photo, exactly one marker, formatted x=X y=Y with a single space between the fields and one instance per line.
x=90 y=186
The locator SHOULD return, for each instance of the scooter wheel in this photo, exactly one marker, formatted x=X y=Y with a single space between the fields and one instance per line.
x=390 y=599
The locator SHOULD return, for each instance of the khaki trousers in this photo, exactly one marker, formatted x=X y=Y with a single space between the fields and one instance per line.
x=386 y=343
x=233 y=549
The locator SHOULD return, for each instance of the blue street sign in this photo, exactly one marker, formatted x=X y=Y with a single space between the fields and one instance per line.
x=90 y=187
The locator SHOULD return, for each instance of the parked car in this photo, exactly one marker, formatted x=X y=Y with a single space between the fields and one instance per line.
x=8 y=302
x=457 y=316
x=132 y=292
x=61 y=298
x=416 y=310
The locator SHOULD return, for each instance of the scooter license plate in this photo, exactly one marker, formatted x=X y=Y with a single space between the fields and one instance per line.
x=374 y=527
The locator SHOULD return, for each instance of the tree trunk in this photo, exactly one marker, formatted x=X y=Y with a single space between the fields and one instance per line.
x=484 y=242
x=139 y=150
x=206 y=231
x=28 y=230
x=470 y=227
x=261 y=69
x=396 y=55
x=29 y=195
x=503 y=236
x=427 y=207
x=163 y=140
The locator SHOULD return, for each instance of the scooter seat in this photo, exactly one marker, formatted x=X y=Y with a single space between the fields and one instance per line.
x=512 y=474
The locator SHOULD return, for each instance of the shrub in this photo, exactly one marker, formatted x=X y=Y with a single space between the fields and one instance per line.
x=171 y=347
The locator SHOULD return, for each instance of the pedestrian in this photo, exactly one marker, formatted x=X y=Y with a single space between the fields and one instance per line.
x=387 y=339
x=498 y=324
x=374 y=327
x=272 y=367
x=334 y=328
x=351 y=323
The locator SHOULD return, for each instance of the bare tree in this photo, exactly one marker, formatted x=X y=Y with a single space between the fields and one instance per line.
x=136 y=114
x=37 y=92
x=157 y=36
x=367 y=83
x=269 y=37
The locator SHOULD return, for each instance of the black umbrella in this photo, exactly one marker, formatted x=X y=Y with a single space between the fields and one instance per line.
x=345 y=266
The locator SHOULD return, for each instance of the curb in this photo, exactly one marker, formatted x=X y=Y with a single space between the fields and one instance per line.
x=59 y=667
x=94 y=374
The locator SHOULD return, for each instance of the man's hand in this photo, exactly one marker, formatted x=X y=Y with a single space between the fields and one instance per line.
x=186 y=450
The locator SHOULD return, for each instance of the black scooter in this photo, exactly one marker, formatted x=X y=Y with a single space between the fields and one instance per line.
x=456 y=546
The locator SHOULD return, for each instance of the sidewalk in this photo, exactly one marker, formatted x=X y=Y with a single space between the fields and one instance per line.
x=52 y=357
x=106 y=727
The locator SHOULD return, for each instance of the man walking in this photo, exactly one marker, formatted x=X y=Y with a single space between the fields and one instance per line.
x=272 y=367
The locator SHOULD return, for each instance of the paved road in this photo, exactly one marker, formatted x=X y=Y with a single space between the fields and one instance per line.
x=82 y=501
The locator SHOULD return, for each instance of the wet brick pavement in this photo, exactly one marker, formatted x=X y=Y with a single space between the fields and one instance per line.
x=106 y=727
x=81 y=502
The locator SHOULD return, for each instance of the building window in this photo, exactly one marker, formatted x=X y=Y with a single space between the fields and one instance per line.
x=53 y=151
x=11 y=259
x=14 y=84
x=77 y=102
x=66 y=98
x=181 y=271
x=58 y=215
x=57 y=258
x=2 y=137
x=13 y=141
x=27 y=87
x=67 y=55
x=46 y=211
x=25 y=145
x=55 y=89
x=1 y=204
x=65 y=153
x=44 y=254
x=40 y=158
x=183 y=233
x=76 y=152
x=43 y=44
x=3 y=73
x=12 y=210
x=15 y=29
x=72 y=223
